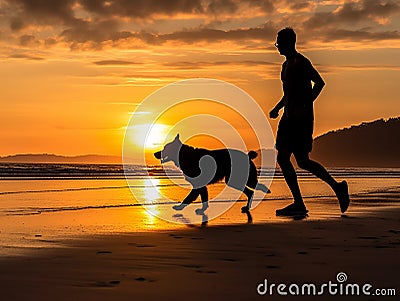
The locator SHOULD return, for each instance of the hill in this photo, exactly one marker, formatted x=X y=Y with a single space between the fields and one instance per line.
x=370 y=144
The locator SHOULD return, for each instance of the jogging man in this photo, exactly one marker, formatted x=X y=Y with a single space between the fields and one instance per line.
x=297 y=122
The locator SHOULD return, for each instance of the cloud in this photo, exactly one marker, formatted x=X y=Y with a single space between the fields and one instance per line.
x=65 y=11
x=92 y=34
x=206 y=64
x=28 y=40
x=113 y=63
x=264 y=32
x=26 y=56
x=94 y=24
x=352 y=12
x=16 y=24
x=96 y=21
x=360 y=35
x=141 y=8
x=40 y=12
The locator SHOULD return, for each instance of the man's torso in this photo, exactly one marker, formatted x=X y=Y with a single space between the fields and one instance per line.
x=296 y=80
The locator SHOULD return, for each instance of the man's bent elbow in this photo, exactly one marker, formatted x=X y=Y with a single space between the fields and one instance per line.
x=320 y=85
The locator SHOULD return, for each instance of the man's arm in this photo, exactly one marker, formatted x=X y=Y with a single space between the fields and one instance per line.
x=275 y=111
x=318 y=83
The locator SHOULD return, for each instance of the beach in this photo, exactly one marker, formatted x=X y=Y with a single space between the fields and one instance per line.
x=88 y=240
x=213 y=262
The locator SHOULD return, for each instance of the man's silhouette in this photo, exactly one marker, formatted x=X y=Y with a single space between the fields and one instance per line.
x=296 y=125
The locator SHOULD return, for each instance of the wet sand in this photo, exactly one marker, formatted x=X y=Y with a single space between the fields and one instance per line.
x=213 y=262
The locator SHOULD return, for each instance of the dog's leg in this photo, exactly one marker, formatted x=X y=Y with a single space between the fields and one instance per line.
x=192 y=196
x=204 y=200
x=249 y=193
x=263 y=188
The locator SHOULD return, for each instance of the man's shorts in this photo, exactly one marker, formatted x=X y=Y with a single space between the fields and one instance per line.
x=295 y=135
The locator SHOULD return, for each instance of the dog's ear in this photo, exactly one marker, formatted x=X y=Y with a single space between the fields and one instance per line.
x=178 y=140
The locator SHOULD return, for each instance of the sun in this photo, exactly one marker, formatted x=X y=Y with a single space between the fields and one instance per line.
x=156 y=136
x=150 y=136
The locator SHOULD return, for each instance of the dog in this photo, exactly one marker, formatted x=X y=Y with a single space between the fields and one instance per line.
x=201 y=167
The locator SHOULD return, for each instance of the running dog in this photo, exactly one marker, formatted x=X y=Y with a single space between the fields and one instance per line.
x=201 y=167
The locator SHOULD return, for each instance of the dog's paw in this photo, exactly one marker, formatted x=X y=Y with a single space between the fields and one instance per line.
x=199 y=211
x=245 y=209
x=178 y=207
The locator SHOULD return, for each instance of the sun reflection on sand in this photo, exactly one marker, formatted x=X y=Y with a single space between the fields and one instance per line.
x=151 y=194
x=151 y=190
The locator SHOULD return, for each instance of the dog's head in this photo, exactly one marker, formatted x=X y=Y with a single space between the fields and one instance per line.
x=170 y=151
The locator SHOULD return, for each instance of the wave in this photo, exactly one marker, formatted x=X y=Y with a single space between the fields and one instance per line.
x=85 y=189
x=30 y=171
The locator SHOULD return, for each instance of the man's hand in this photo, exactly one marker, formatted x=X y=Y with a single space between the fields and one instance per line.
x=274 y=113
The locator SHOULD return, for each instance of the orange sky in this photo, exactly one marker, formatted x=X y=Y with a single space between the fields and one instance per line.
x=73 y=71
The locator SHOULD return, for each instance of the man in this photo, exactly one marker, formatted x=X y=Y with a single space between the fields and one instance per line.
x=296 y=125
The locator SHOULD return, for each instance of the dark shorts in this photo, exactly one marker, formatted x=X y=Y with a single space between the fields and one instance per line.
x=295 y=135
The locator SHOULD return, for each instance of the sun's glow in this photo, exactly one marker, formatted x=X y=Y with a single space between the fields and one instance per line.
x=150 y=136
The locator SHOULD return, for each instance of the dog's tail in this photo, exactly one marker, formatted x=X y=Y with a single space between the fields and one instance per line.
x=262 y=187
x=252 y=155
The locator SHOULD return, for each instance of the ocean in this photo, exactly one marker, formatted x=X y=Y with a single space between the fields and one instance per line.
x=46 y=204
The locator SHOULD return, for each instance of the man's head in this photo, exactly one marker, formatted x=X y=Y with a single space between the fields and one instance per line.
x=286 y=41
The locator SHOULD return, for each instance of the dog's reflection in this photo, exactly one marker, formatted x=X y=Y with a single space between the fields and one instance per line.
x=204 y=219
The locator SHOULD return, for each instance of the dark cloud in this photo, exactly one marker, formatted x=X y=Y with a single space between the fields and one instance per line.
x=113 y=63
x=16 y=24
x=219 y=6
x=102 y=31
x=26 y=56
x=352 y=12
x=41 y=12
x=63 y=11
x=28 y=40
x=104 y=20
x=50 y=42
x=265 y=32
x=360 y=35
x=184 y=65
x=265 y=5
x=149 y=8
x=141 y=8
x=300 y=5
x=96 y=31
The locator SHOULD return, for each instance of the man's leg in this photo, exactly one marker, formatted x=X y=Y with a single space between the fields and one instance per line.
x=289 y=173
x=315 y=168
x=340 y=189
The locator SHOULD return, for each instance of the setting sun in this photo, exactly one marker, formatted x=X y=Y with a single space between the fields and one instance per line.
x=150 y=136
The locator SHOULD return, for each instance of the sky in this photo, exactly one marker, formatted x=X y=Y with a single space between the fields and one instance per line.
x=73 y=71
